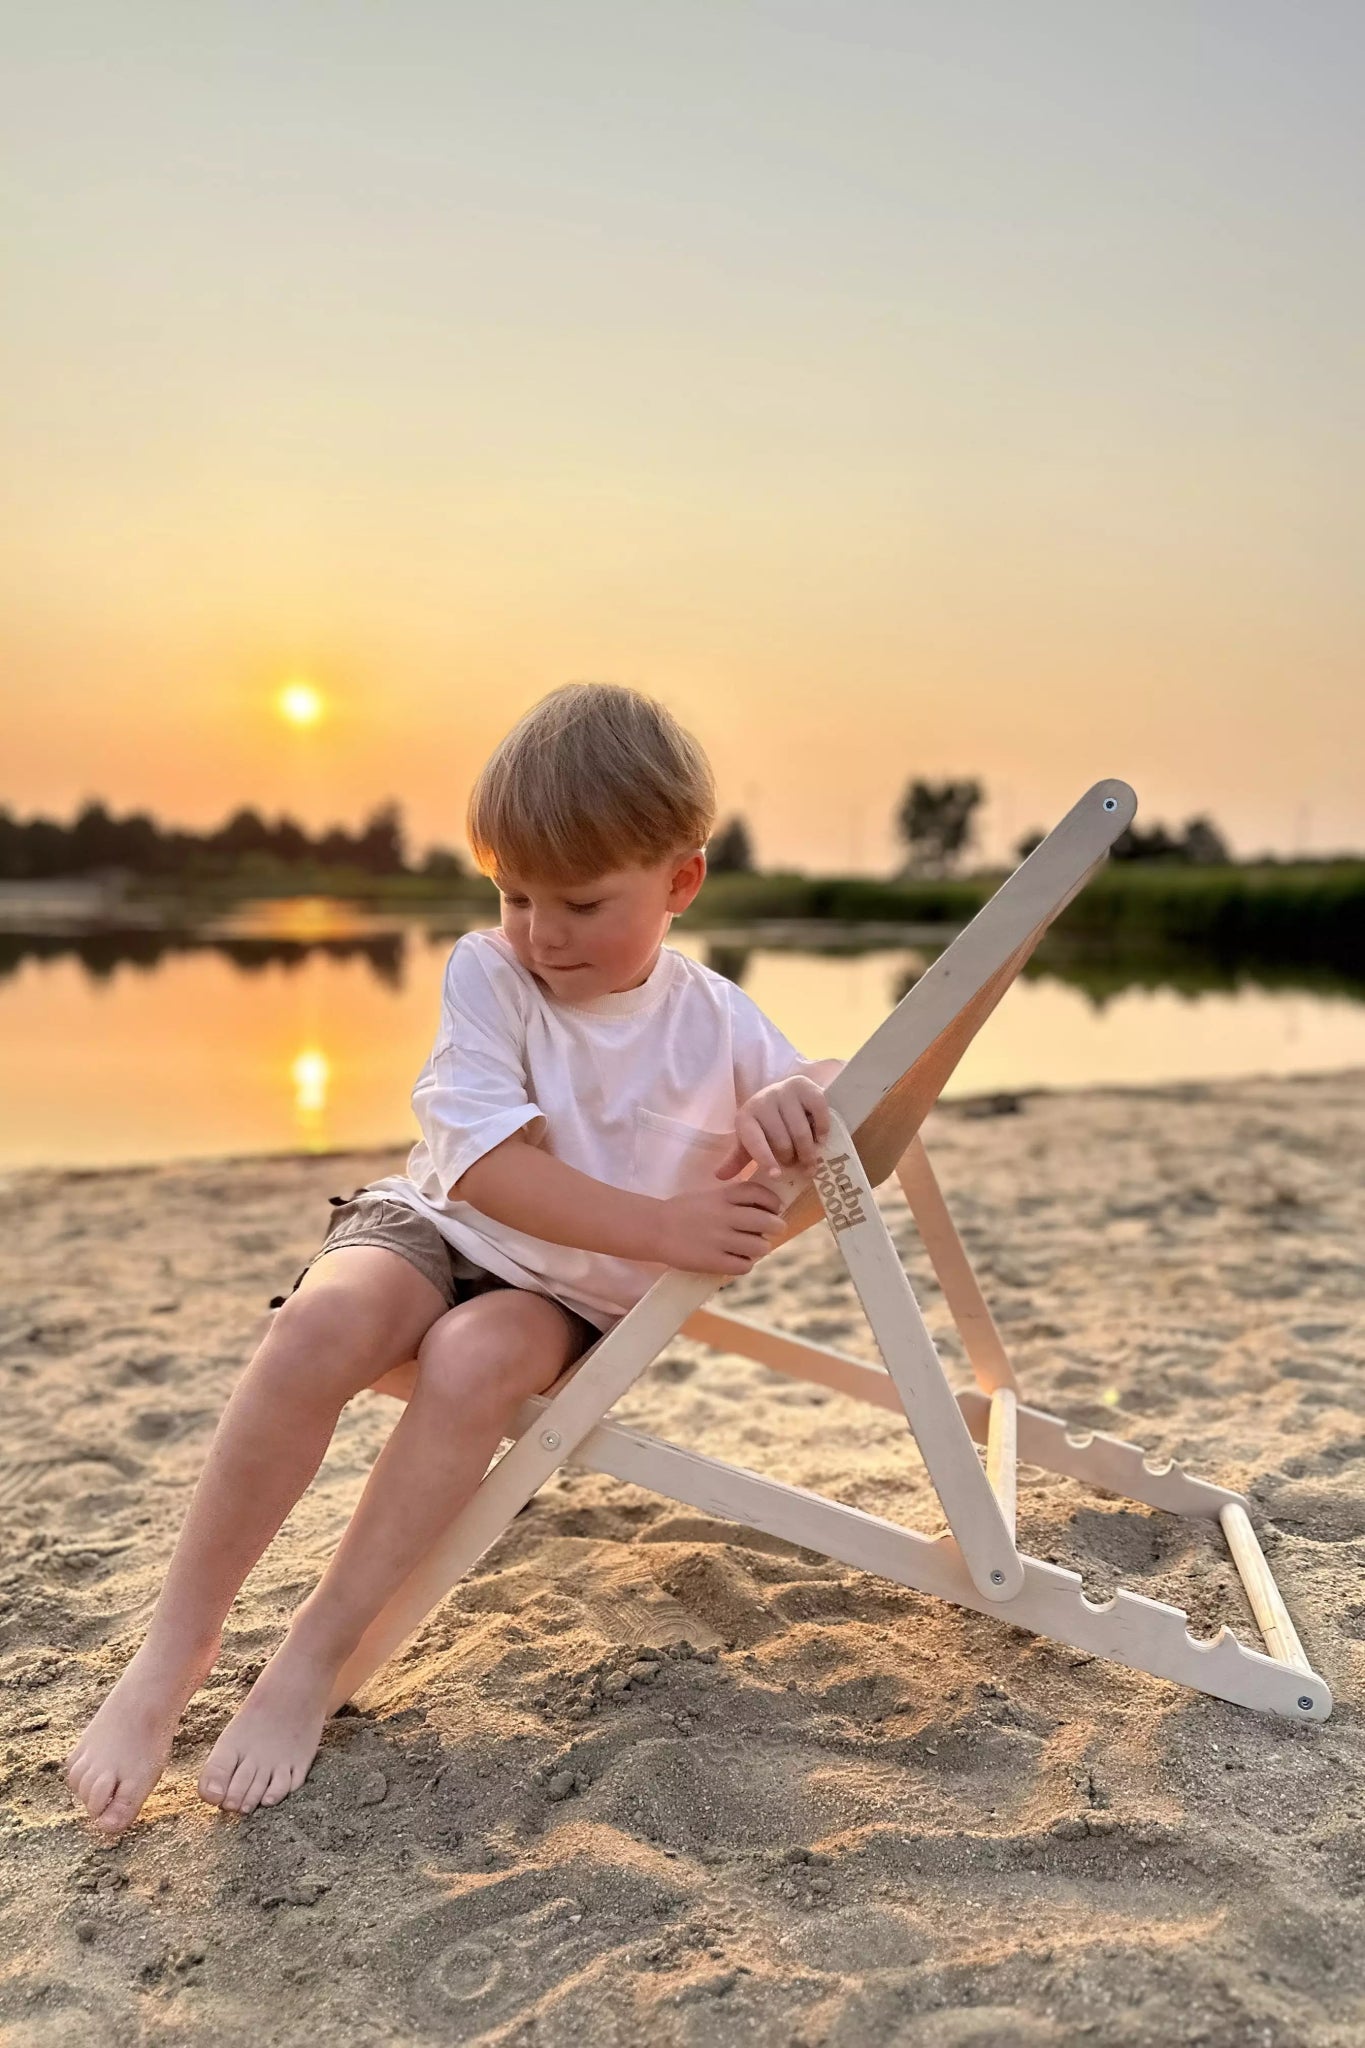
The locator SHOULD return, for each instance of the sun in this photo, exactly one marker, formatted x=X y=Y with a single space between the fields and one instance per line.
x=299 y=703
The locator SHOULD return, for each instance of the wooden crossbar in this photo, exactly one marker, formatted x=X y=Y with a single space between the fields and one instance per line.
x=1272 y=1616
x=797 y=1357
x=953 y=1270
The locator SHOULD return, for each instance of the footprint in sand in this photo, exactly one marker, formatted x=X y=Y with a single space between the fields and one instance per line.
x=469 y=1970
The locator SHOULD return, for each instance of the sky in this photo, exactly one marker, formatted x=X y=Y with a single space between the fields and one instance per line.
x=893 y=390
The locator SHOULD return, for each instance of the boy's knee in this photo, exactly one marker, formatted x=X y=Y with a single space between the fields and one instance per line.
x=326 y=1329
x=473 y=1367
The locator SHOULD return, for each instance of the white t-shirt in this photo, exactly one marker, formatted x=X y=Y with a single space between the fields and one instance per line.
x=639 y=1088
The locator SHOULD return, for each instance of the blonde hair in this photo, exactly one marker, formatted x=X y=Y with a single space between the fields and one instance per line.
x=594 y=778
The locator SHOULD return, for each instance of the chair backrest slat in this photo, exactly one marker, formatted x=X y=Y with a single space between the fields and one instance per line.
x=894 y=1079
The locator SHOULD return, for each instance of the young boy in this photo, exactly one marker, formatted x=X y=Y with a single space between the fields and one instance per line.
x=590 y=1100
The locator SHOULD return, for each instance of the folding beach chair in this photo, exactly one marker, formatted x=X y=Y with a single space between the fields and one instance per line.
x=877 y=1105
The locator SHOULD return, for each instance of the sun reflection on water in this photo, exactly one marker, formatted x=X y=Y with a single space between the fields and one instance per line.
x=310 y=1073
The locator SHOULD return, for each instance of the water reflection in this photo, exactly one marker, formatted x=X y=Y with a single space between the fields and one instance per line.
x=100 y=954
x=315 y=927
x=302 y=1026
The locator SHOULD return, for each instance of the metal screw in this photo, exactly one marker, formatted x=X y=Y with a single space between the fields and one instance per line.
x=1306 y=1703
x=550 y=1439
x=997 y=1578
x=1111 y=803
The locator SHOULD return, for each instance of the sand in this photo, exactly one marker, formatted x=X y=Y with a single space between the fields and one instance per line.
x=847 y=1815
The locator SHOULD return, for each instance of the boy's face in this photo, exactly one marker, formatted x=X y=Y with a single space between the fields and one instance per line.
x=602 y=936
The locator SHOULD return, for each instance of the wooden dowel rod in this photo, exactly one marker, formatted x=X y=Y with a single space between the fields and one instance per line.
x=1002 y=1453
x=1272 y=1616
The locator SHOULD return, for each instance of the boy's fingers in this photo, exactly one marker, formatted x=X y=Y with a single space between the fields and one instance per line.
x=732 y=1162
x=797 y=1120
x=756 y=1139
x=754 y=1217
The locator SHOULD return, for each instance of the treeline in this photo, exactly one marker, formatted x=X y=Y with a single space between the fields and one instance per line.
x=96 y=842
x=935 y=824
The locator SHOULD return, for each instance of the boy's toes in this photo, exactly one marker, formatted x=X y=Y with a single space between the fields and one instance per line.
x=97 y=1793
x=120 y=1813
x=213 y=1779
x=280 y=1785
x=251 y=1798
x=239 y=1784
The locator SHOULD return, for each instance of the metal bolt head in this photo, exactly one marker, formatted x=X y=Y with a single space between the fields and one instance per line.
x=550 y=1439
x=1111 y=803
x=997 y=1578
x=1306 y=1703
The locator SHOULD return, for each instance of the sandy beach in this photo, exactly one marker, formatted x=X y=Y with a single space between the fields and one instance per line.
x=646 y=1777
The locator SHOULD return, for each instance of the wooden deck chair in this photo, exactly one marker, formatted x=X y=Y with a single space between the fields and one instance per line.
x=877 y=1105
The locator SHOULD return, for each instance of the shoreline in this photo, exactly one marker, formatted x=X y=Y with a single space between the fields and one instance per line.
x=985 y=1102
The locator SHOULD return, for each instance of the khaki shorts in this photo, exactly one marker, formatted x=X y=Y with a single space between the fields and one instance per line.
x=363 y=1218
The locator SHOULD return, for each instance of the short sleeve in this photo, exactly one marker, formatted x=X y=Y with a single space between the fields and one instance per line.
x=472 y=1092
x=762 y=1053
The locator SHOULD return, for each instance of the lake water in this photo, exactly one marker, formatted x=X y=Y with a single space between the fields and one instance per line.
x=301 y=1026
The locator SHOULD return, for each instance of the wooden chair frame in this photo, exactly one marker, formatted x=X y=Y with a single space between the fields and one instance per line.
x=877 y=1105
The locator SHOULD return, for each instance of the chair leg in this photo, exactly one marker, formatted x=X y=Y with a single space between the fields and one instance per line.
x=860 y=1231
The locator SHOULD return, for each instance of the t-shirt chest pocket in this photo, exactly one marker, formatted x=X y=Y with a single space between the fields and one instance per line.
x=671 y=1155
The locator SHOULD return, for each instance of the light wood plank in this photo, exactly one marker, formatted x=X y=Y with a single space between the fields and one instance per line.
x=908 y=1352
x=981 y=1340
x=1002 y=1454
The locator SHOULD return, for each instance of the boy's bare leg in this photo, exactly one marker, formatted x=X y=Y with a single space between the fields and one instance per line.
x=475 y=1367
x=356 y=1314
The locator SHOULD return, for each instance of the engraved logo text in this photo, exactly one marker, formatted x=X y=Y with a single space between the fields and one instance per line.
x=840 y=1196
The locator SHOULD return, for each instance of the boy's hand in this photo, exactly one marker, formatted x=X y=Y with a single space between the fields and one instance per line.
x=718 y=1230
x=782 y=1125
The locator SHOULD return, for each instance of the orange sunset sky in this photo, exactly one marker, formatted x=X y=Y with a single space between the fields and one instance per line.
x=894 y=389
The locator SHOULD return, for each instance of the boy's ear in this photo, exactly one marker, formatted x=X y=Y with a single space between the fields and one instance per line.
x=687 y=880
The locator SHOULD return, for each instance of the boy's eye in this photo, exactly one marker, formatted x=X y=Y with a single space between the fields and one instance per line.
x=516 y=902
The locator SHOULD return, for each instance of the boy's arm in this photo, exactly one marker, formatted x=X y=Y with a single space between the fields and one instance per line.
x=518 y=1184
x=824 y=1071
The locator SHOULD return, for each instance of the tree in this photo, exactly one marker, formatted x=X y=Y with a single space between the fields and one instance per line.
x=336 y=848
x=442 y=865
x=730 y=851
x=379 y=848
x=141 y=849
x=1200 y=844
x=936 y=821
x=288 y=841
x=245 y=832
x=93 y=840
x=1204 y=844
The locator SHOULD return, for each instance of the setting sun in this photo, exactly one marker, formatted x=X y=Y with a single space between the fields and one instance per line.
x=300 y=704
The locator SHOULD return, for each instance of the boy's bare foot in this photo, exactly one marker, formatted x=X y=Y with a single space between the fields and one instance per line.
x=125 y=1748
x=264 y=1752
